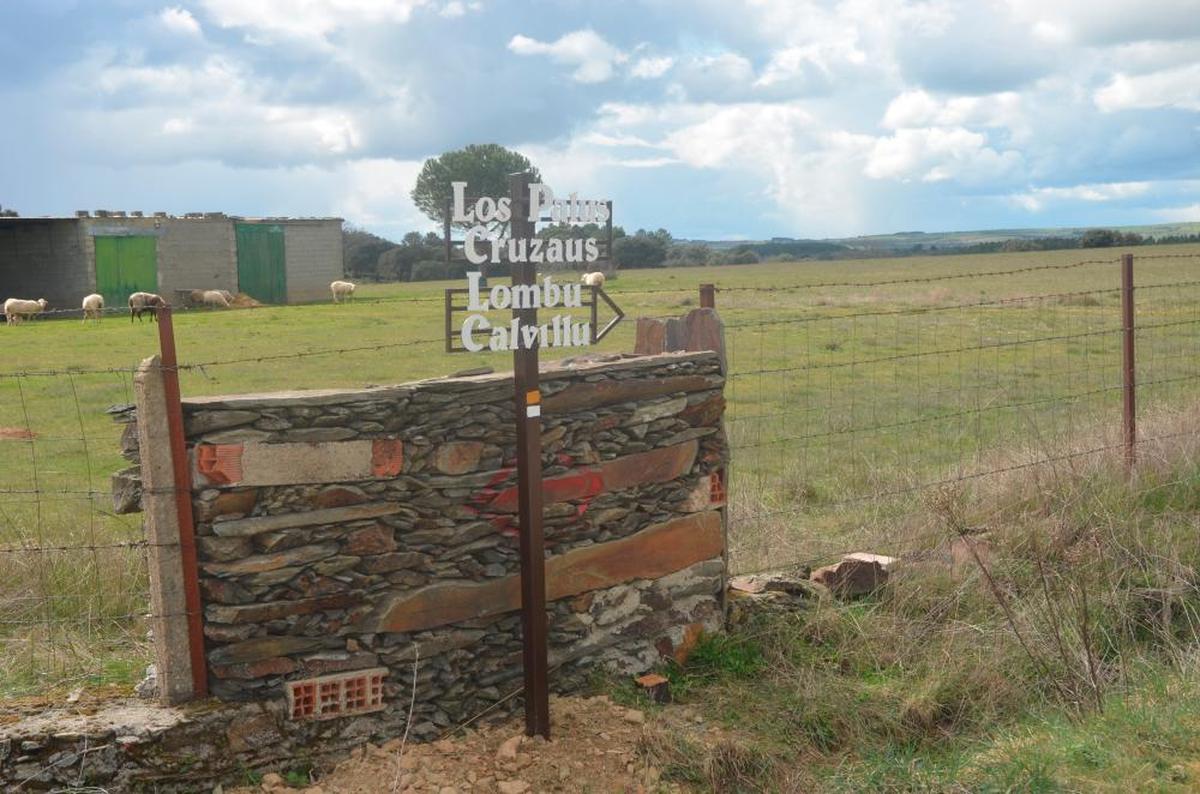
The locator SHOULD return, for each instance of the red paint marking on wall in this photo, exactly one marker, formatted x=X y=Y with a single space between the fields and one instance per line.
x=387 y=457
x=221 y=464
x=716 y=487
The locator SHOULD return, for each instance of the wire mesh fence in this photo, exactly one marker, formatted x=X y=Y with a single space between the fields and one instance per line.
x=853 y=401
x=849 y=402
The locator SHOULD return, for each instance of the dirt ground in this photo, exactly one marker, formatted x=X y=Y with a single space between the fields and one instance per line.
x=597 y=746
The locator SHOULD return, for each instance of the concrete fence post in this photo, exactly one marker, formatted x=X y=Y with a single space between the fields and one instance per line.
x=168 y=603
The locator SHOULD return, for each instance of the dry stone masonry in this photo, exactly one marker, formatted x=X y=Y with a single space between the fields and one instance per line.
x=375 y=531
x=348 y=530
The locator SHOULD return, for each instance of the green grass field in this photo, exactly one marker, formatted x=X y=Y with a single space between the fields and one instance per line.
x=837 y=395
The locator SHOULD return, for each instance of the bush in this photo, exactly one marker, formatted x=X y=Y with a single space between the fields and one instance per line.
x=433 y=270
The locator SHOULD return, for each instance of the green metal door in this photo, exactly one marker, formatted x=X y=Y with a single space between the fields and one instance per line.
x=261 y=272
x=125 y=265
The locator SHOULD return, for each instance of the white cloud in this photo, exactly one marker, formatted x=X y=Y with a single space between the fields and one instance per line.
x=1103 y=22
x=457 y=8
x=936 y=154
x=1178 y=87
x=1188 y=214
x=307 y=19
x=216 y=108
x=375 y=192
x=593 y=57
x=179 y=20
x=1036 y=199
x=649 y=68
x=725 y=76
x=920 y=109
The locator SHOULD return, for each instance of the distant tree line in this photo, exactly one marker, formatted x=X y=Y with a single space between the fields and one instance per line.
x=421 y=257
x=486 y=169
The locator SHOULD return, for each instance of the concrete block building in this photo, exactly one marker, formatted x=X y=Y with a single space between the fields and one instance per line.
x=273 y=260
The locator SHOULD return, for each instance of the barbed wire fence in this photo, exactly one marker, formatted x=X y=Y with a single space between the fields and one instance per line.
x=849 y=402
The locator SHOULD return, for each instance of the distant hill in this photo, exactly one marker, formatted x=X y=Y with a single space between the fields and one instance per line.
x=910 y=241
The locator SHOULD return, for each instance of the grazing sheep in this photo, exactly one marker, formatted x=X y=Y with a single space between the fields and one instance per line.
x=342 y=290
x=215 y=298
x=93 y=306
x=595 y=279
x=145 y=302
x=17 y=309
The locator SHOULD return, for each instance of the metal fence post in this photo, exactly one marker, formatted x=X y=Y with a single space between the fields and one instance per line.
x=528 y=404
x=1129 y=363
x=708 y=296
x=183 y=501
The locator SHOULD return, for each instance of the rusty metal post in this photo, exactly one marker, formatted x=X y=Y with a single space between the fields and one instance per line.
x=708 y=296
x=183 y=501
x=528 y=404
x=1129 y=363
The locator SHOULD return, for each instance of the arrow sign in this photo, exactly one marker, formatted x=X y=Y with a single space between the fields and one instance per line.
x=599 y=333
x=476 y=319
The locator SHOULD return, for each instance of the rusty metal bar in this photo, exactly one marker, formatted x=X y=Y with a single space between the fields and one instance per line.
x=183 y=501
x=1129 y=362
x=449 y=312
x=528 y=406
x=708 y=296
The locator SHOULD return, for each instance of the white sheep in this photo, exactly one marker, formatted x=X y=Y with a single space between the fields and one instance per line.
x=595 y=279
x=215 y=298
x=342 y=290
x=93 y=306
x=17 y=309
x=140 y=302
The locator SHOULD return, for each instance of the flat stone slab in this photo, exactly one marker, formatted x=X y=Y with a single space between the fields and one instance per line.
x=245 y=527
x=657 y=465
x=260 y=463
x=654 y=552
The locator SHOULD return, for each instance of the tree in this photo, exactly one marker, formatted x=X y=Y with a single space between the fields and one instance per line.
x=643 y=249
x=1099 y=238
x=484 y=167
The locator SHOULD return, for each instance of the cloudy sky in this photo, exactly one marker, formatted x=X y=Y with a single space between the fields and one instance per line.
x=714 y=118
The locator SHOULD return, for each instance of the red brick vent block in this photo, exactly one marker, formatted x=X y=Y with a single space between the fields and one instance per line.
x=340 y=695
x=221 y=464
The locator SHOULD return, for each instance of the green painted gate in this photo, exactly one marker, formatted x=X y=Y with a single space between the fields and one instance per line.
x=260 y=256
x=125 y=265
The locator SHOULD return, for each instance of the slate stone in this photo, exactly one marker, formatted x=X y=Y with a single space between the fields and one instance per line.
x=334 y=515
x=258 y=563
x=214 y=549
x=209 y=421
x=260 y=648
x=457 y=457
x=584 y=396
x=652 y=553
x=260 y=613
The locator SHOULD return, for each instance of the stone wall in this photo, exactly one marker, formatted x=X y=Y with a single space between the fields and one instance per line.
x=346 y=530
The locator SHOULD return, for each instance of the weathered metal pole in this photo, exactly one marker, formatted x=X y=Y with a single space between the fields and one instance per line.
x=529 y=482
x=708 y=296
x=183 y=500
x=1129 y=362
